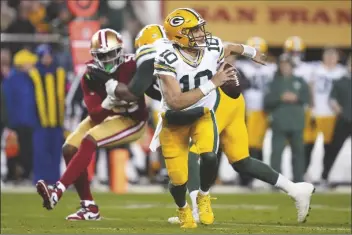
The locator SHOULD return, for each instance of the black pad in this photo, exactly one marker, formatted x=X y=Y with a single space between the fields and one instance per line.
x=186 y=117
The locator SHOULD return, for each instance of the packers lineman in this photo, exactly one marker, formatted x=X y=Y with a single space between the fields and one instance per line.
x=239 y=157
x=258 y=77
x=295 y=48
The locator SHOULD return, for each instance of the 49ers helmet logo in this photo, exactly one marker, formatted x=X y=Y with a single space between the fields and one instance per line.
x=177 y=21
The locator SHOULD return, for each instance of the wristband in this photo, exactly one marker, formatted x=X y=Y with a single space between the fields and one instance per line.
x=207 y=87
x=249 y=51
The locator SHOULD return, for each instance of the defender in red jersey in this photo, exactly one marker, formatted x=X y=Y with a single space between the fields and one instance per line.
x=110 y=122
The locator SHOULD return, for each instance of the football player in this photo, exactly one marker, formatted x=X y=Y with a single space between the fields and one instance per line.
x=258 y=77
x=229 y=112
x=110 y=122
x=146 y=44
x=324 y=75
x=295 y=48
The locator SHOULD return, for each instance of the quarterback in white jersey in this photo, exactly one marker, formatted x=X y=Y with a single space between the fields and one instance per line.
x=188 y=70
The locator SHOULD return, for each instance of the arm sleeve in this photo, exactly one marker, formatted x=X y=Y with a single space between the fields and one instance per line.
x=93 y=102
x=142 y=79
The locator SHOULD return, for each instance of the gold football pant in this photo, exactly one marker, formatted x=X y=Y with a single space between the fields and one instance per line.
x=112 y=131
x=257 y=125
x=230 y=118
x=324 y=125
x=175 y=140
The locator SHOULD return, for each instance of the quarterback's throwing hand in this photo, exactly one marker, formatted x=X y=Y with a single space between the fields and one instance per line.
x=259 y=58
x=224 y=74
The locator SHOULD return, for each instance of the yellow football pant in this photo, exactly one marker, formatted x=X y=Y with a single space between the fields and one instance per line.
x=175 y=142
x=325 y=125
x=257 y=125
x=230 y=117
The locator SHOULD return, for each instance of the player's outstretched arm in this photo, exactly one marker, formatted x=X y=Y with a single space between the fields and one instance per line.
x=248 y=51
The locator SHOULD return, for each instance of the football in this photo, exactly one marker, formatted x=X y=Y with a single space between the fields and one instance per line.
x=231 y=88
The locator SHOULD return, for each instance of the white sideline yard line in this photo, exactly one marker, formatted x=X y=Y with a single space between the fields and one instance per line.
x=142 y=206
x=280 y=226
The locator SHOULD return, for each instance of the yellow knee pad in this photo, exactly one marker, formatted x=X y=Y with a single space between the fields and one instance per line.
x=178 y=177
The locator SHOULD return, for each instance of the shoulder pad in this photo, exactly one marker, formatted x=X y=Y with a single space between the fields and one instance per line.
x=144 y=53
x=165 y=61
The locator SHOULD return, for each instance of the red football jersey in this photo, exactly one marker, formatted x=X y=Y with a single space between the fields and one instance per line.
x=93 y=97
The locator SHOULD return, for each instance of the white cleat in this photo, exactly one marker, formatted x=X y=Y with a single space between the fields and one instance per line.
x=90 y=212
x=302 y=197
x=195 y=215
x=176 y=220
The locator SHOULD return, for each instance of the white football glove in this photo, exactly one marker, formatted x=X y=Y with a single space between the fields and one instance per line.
x=109 y=102
x=110 y=87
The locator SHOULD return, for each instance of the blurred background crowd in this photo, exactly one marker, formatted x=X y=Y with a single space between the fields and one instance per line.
x=50 y=39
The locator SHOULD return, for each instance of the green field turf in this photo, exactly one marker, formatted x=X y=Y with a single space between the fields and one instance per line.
x=239 y=213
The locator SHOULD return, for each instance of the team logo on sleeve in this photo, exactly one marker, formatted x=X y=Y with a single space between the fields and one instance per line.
x=177 y=21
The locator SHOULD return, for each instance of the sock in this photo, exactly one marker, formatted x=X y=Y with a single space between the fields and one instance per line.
x=82 y=183
x=79 y=162
x=285 y=184
x=193 y=172
x=179 y=194
x=256 y=169
x=193 y=196
x=87 y=202
x=203 y=193
x=61 y=186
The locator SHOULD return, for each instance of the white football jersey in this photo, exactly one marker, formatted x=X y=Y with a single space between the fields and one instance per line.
x=323 y=79
x=259 y=77
x=170 y=60
x=304 y=70
x=148 y=52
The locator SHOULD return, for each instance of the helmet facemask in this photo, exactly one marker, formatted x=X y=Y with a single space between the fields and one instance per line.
x=197 y=42
x=108 y=61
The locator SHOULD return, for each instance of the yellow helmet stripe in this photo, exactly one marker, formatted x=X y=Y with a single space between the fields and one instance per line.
x=258 y=42
x=297 y=43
